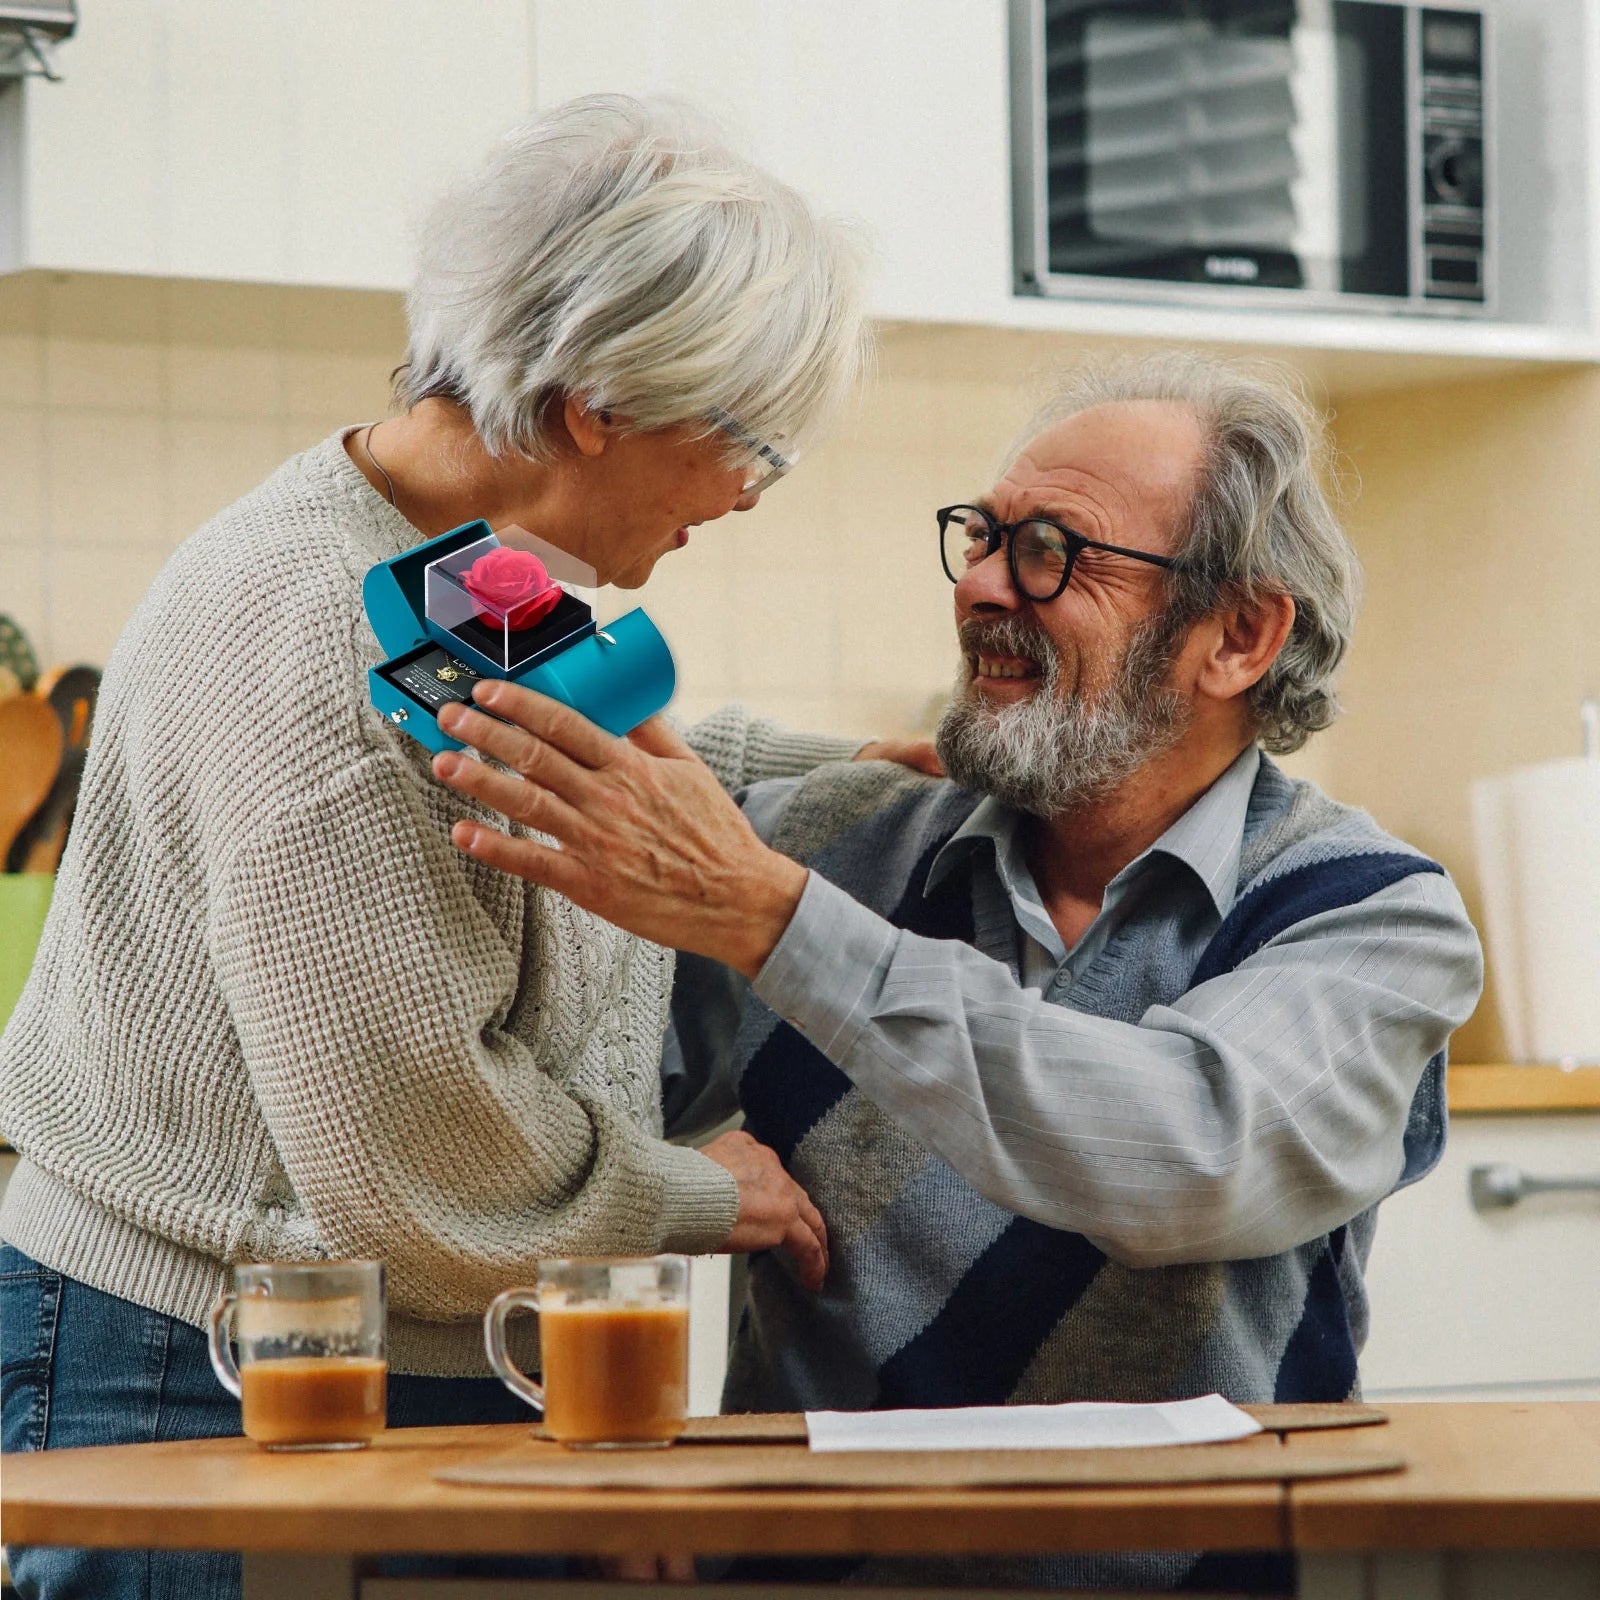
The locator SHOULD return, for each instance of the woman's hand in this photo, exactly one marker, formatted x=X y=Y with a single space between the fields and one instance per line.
x=775 y=1213
x=645 y=836
x=918 y=754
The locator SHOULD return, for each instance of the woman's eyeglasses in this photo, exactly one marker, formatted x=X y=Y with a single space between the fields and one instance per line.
x=1039 y=553
x=768 y=464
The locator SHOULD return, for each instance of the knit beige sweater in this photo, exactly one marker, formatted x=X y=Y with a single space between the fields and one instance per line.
x=275 y=1014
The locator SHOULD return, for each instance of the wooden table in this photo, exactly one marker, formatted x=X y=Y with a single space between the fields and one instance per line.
x=1498 y=1500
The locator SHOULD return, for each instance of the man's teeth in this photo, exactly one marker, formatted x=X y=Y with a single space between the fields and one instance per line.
x=1005 y=669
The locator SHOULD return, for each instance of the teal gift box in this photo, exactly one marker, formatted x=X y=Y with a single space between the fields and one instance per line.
x=472 y=604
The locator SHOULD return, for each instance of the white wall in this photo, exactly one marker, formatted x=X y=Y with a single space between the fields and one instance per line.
x=133 y=409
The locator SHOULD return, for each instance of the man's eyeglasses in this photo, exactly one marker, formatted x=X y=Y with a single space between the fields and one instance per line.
x=1040 y=553
x=768 y=464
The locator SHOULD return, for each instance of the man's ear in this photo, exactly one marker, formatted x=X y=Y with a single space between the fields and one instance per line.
x=1245 y=641
x=591 y=429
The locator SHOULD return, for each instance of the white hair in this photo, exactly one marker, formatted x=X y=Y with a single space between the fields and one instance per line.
x=1051 y=753
x=616 y=251
x=1259 y=522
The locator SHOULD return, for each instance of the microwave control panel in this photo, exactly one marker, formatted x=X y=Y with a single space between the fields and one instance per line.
x=1450 y=263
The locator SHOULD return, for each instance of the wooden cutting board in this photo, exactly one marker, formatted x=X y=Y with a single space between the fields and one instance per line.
x=70 y=692
x=30 y=758
x=1262 y=1458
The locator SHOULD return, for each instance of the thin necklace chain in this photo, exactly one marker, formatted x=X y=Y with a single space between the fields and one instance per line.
x=366 y=444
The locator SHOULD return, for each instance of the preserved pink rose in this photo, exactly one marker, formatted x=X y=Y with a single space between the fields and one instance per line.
x=512 y=584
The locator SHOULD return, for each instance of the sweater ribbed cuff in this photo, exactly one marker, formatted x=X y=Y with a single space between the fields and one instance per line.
x=68 y=1233
x=776 y=752
x=699 y=1202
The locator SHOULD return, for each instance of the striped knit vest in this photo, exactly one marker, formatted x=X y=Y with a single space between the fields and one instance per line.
x=938 y=1297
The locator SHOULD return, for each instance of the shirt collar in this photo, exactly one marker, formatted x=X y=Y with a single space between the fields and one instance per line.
x=1208 y=838
x=987 y=820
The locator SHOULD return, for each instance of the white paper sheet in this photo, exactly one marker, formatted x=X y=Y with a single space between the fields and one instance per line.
x=1082 y=1425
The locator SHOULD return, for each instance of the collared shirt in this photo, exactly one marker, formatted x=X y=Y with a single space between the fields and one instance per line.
x=1231 y=1119
x=1206 y=839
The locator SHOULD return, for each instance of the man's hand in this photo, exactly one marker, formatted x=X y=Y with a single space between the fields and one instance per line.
x=918 y=754
x=775 y=1213
x=645 y=836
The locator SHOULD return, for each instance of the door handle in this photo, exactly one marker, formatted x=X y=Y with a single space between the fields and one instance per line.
x=1499 y=1184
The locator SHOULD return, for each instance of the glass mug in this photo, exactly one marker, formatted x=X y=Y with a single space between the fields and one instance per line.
x=312 y=1372
x=614 y=1346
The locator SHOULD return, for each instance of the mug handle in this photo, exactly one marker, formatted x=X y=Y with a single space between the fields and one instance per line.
x=494 y=1339
x=221 y=1344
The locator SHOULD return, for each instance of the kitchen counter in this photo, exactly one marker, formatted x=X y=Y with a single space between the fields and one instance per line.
x=1491 y=1089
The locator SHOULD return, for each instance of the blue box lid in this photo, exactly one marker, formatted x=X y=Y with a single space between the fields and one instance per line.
x=392 y=591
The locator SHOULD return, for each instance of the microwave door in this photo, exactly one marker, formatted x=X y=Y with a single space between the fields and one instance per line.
x=1256 y=143
x=1325 y=220
x=1373 y=172
x=1171 y=144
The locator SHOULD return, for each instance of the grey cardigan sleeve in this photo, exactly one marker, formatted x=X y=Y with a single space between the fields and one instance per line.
x=369 y=990
x=742 y=749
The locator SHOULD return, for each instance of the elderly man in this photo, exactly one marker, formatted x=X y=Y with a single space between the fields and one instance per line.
x=1098 y=1057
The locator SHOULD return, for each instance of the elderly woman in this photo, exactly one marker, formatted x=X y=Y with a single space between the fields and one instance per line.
x=275 y=1014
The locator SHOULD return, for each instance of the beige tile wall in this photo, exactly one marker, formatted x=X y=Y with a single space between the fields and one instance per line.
x=1477 y=521
x=132 y=409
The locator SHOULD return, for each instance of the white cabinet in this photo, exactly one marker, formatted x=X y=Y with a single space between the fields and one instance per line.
x=896 y=112
x=288 y=141
x=1495 y=1303
x=295 y=142
x=893 y=112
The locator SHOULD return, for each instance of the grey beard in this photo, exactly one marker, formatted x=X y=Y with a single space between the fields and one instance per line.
x=1048 y=755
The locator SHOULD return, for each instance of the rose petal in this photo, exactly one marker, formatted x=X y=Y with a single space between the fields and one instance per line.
x=514 y=585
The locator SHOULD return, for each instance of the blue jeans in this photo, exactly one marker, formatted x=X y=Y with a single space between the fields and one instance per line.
x=78 y=1367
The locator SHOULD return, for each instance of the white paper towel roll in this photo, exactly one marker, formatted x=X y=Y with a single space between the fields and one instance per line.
x=1538 y=841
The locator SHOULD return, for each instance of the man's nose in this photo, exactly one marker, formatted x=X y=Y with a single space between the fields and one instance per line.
x=746 y=501
x=987 y=586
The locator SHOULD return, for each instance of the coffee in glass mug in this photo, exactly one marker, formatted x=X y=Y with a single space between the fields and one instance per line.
x=312 y=1372
x=614 y=1347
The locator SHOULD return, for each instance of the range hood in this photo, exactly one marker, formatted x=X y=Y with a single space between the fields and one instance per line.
x=29 y=32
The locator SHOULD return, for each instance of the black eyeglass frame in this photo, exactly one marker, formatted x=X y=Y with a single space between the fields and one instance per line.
x=1005 y=531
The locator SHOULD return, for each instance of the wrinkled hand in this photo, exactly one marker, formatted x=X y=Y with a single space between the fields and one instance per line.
x=918 y=754
x=645 y=835
x=775 y=1213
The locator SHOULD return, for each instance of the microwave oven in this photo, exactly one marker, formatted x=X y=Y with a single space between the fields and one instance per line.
x=1306 y=153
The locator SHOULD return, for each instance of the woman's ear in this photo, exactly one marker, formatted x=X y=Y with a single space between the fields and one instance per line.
x=1246 y=642
x=590 y=428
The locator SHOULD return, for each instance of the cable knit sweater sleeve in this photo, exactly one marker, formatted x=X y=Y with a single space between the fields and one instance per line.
x=742 y=749
x=368 y=987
